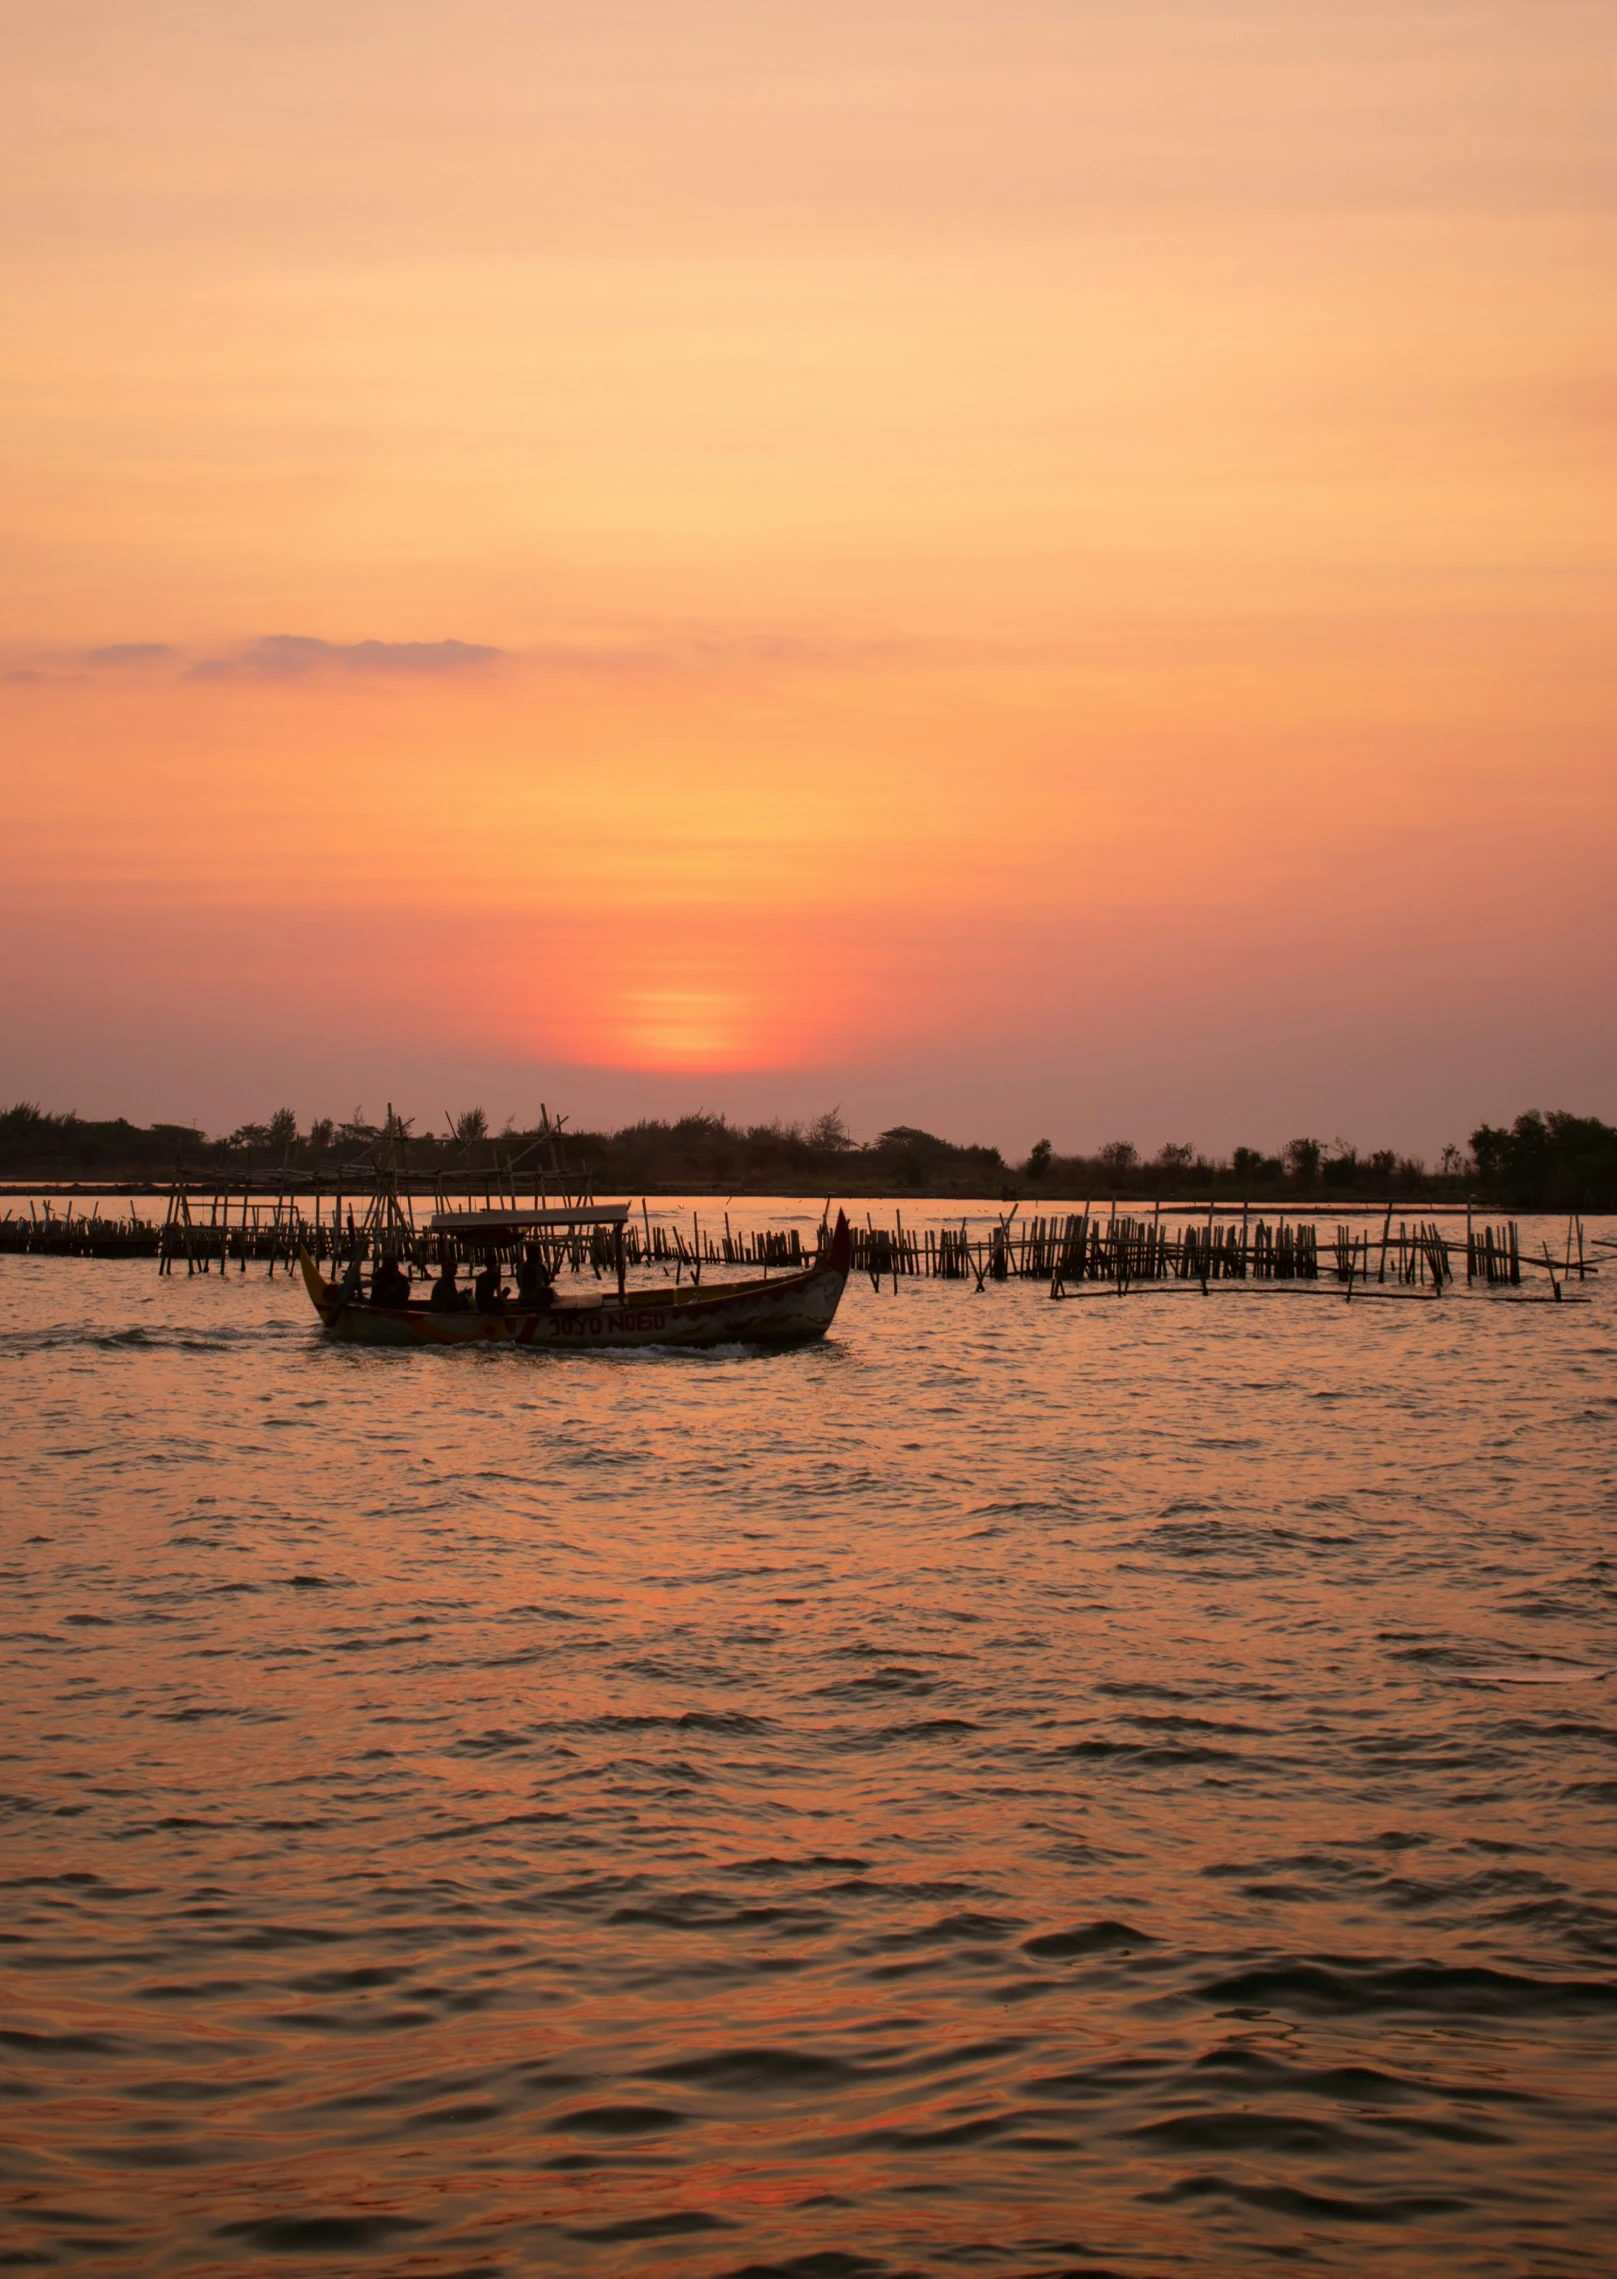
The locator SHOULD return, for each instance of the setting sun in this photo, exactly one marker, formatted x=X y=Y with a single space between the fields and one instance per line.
x=926 y=567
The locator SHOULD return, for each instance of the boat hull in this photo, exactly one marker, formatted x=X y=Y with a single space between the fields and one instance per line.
x=791 y=1309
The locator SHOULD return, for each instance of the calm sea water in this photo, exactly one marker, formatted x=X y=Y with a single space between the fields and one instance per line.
x=1021 y=1788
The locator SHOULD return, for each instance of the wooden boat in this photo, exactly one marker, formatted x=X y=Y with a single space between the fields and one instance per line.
x=783 y=1309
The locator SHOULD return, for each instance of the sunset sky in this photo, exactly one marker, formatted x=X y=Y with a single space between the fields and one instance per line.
x=1045 y=568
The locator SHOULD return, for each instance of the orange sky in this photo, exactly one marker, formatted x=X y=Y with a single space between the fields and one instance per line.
x=1034 y=569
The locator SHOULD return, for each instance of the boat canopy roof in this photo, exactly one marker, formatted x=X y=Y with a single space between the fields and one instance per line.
x=484 y=1222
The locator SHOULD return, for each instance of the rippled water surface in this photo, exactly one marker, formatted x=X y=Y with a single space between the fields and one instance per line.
x=1021 y=1788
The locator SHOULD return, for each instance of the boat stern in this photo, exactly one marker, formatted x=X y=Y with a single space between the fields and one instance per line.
x=313 y=1281
x=841 y=1253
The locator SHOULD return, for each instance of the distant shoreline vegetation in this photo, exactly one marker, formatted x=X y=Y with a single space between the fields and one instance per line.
x=1542 y=1161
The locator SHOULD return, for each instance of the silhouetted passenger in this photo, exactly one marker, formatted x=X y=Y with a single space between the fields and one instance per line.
x=445 y=1298
x=390 y=1285
x=486 y=1290
x=534 y=1292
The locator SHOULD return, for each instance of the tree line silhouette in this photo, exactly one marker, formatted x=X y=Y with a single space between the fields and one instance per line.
x=1541 y=1161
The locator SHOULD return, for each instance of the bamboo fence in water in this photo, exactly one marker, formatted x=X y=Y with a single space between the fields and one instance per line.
x=1077 y=1254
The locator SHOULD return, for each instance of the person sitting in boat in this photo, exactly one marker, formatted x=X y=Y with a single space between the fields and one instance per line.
x=390 y=1284
x=534 y=1292
x=350 y=1289
x=487 y=1291
x=445 y=1298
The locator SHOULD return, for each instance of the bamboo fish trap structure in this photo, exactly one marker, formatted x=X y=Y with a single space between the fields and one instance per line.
x=1078 y=1254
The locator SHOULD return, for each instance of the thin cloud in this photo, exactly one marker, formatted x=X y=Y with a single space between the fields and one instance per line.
x=118 y=654
x=298 y=656
x=290 y=658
